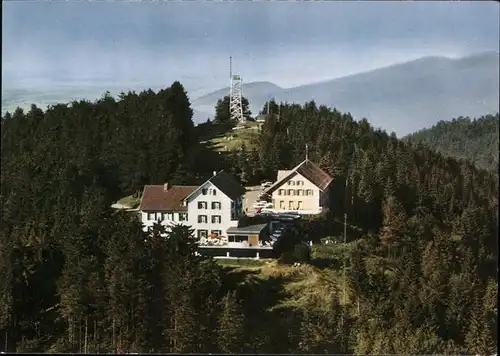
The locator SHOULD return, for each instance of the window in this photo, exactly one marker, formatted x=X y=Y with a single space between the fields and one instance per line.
x=216 y=232
x=290 y=205
x=299 y=192
x=202 y=218
x=204 y=191
x=237 y=238
x=300 y=182
x=202 y=205
x=292 y=182
x=216 y=205
x=151 y=216
x=215 y=219
x=214 y=191
x=291 y=192
x=202 y=233
x=183 y=216
x=170 y=216
x=299 y=207
x=289 y=182
x=280 y=191
x=309 y=192
x=282 y=204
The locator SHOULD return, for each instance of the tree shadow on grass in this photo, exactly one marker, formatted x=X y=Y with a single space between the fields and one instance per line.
x=207 y=159
x=270 y=328
x=326 y=263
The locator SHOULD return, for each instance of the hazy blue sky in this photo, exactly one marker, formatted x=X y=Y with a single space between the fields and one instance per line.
x=289 y=43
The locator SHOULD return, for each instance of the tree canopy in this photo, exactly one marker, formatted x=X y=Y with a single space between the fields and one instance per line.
x=77 y=276
x=475 y=140
x=222 y=114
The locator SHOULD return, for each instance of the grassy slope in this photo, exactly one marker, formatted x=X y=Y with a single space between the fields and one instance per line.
x=227 y=139
x=130 y=201
x=297 y=287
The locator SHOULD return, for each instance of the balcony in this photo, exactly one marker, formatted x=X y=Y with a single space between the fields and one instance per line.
x=239 y=238
x=300 y=212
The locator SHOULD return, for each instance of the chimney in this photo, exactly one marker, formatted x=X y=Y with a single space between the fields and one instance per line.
x=165 y=187
x=215 y=173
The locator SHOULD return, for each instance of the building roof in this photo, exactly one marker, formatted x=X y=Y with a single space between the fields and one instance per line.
x=282 y=174
x=309 y=170
x=226 y=184
x=250 y=230
x=315 y=174
x=156 y=198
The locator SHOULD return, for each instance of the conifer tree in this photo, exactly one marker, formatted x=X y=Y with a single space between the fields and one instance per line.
x=394 y=226
x=230 y=335
x=222 y=114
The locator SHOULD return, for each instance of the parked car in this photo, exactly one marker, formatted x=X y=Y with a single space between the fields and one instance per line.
x=266 y=212
x=266 y=184
x=264 y=196
x=260 y=204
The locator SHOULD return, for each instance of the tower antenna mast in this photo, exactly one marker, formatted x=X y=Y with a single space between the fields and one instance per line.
x=230 y=77
x=235 y=96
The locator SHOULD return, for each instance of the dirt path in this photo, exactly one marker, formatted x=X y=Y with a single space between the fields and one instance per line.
x=251 y=196
x=121 y=206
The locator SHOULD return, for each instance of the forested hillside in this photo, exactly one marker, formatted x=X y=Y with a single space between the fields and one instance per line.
x=79 y=277
x=475 y=140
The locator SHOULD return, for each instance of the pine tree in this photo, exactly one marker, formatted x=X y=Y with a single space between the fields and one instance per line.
x=183 y=323
x=230 y=335
x=6 y=284
x=394 y=226
x=482 y=329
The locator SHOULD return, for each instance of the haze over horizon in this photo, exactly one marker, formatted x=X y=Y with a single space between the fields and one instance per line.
x=111 y=45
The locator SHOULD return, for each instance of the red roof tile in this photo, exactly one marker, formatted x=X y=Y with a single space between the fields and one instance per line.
x=155 y=198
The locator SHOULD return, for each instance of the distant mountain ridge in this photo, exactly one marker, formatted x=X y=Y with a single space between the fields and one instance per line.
x=403 y=97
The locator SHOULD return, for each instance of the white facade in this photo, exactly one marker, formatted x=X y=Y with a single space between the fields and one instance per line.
x=298 y=194
x=206 y=209
x=166 y=219
x=210 y=211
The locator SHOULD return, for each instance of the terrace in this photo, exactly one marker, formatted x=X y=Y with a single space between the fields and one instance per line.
x=247 y=237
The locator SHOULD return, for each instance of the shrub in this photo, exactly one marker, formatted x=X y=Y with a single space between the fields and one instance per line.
x=300 y=253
